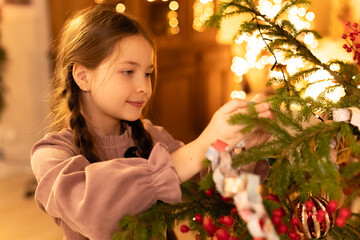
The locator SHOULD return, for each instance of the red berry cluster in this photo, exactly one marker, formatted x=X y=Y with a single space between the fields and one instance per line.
x=281 y=227
x=222 y=232
x=277 y=220
x=352 y=44
x=222 y=229
x=342 y=216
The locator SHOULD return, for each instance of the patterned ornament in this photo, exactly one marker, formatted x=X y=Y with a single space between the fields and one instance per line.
x=315 y=220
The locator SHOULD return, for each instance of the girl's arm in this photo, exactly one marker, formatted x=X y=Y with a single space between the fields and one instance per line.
x=188 y=160
x=91 y=198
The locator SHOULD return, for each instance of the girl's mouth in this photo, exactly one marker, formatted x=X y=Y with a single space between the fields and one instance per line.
x=136 y=104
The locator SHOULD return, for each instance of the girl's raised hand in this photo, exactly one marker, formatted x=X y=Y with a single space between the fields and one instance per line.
x=219 y=128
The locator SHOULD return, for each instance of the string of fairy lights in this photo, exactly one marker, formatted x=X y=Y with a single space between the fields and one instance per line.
x=253 y=57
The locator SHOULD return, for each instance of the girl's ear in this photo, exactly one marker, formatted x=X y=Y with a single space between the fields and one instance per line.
x=80 y=75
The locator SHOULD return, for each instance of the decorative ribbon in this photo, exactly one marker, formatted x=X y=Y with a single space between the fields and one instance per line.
x=349 y=115
x=243 y=188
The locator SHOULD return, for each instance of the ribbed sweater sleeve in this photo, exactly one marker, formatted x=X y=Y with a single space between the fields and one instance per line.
x=89 y=199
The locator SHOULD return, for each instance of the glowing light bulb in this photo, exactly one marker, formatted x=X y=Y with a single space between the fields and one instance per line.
x=205 y=1
x=301 y=12
x=173 y=22
x=335 y=67
x=309 y=38
x=120 y=7
x=240 y=66
x=293 y=11
x=238 y=94
x=174 y=5
x=172 y=14
x=310 y=16
x=174 y=30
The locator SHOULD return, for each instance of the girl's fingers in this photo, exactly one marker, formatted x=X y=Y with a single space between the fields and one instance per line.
x=233 y=105
x=262 y=107
x=266 y=114
x=258 y=98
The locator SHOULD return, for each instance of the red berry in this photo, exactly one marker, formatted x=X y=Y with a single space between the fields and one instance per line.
x=282 y=228
x=355 y=25
x=198 y=218
x=340 y=222
x=345 y=46
x=348 y=50
x=184 y=228
x=332 y=206
x=209 y=226
x=347 y=24
x=294 y=221
x=278 y=212
x=293 y=234
x=320 y=215
x=209 y=192
x=344 y=36
x=261 y=223
x=233 y=238
x=227 y=220
x=309 y=205
x=226 y=199
x=234 y=211
x=344 y=213
x=276 y=220
x=352 y=38
x=222 y=234
x=272 y=197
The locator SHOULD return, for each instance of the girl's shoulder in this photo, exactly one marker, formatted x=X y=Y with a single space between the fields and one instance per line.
x=61 y=139
x=156 y=131
x=159 y=134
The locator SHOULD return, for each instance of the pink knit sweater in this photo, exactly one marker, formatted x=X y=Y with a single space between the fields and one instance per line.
x=87 y=200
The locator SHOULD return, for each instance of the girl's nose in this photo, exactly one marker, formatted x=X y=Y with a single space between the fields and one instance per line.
x=143 y=84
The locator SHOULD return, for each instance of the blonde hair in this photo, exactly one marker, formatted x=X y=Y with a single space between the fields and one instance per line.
x=88 y=38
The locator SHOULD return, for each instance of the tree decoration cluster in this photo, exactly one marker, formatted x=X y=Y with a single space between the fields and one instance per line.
x=314 y=151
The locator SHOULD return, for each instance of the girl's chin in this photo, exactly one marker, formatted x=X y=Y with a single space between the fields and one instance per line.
x=131 y=119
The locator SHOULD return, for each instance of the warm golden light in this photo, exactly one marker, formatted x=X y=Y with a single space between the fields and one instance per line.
x=203 y=10
x=174 y=5
x=120 y=7
x=172 y=14
x=174 y=30
x=173 y=22
x=310 y=16
x=254 y=57
x=321 y=80
x=238 y=94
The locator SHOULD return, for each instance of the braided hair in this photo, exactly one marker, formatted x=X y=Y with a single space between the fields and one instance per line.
x=88 y=38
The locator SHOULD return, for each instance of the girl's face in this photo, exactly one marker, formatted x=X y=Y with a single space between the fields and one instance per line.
x=120 y=86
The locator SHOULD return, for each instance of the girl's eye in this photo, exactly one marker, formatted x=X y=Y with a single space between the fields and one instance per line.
x=148 y=74
x=128 y=72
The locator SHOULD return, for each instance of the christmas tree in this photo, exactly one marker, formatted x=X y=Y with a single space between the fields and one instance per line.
x=315 y=167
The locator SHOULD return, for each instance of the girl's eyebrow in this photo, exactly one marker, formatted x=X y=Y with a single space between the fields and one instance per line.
x=136 y=64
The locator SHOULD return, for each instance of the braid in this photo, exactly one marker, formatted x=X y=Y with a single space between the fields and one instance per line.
x=83 y=139
x=142 y=138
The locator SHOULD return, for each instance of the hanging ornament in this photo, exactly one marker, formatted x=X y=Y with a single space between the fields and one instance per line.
x=315 y=219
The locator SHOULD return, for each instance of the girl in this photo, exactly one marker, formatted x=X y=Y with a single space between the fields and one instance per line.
x=103 y=162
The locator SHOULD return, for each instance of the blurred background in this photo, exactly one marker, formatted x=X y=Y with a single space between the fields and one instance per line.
x=199 y=70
